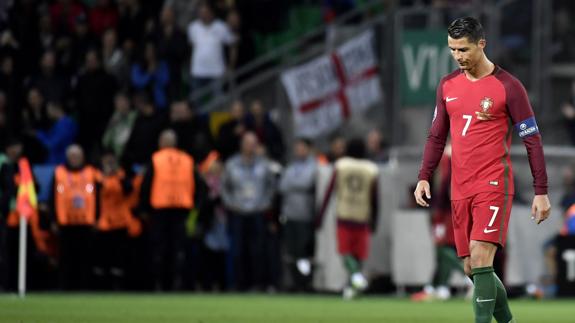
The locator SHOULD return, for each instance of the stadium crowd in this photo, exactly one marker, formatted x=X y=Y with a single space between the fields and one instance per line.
x=96 y=95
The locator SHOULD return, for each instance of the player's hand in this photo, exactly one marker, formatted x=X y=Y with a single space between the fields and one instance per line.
x=422 y=188
x=484 y=116
x=541 y=208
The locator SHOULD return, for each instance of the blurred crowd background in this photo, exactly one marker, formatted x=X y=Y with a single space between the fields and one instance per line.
x=94 y=88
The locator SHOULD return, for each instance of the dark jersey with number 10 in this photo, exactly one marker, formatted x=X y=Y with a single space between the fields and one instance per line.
x=480 y=148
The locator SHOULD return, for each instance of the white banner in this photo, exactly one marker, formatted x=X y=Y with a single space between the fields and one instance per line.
x=331 y=88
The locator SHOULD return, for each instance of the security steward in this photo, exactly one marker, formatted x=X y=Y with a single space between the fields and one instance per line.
x=74 y=214
x=170 y=190
x=115 y=216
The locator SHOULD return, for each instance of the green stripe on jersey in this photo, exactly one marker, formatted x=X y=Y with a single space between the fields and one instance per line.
x=505 y=177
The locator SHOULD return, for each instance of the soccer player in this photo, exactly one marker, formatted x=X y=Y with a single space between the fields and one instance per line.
x=354 y=181
x=445 y=253
x=480 y=104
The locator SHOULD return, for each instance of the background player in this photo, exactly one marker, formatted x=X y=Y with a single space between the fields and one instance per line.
x=355 y=182
x=442 y=225
x=478 y=104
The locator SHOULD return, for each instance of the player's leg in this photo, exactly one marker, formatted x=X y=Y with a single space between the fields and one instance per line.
x=360 y=252
x=447 y=262
x=485 y=291
x=491 y=216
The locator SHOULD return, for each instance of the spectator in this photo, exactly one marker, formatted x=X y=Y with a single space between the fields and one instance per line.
x=10 y=84
x=193 y=130
x=170 y=190
x=216 y=240
x=95 y=102
x=103 y=16
x=44 y=40
x=297 y=187
x=337 y=148
x=248 y=187
x=146 y=130
x=232 y=131
x=245 y=47
x=266 y=130
x=63 y=14
x=34 y=115
x=376 y=147
x=131 y=22
x=61 y=134
x=153 y=75
x=73 y=205
x=173 y=48
x=81 y=41
x=184 y=10
x=24 y=21
x=208 y=36
x=114 y=60
x=120 y=126
x=52 y=85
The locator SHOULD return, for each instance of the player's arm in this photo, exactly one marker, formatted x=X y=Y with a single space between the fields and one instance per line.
x=374 y=205
x=523 y=120
x=326 y=198
x=433 y=148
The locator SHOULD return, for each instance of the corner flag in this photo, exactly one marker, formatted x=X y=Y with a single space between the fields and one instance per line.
x=26 y=205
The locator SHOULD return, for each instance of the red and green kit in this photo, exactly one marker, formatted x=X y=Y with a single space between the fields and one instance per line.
x=482 y=177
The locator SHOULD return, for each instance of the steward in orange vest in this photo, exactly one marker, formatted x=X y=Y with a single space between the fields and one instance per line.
x=74 y=213
x=169 y=192
x=115 y=190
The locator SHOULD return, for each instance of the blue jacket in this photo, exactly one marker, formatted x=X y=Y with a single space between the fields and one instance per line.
x=58 y=138
x=157 y=81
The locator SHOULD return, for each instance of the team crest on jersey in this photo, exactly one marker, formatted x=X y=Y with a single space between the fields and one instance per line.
x=486 y=104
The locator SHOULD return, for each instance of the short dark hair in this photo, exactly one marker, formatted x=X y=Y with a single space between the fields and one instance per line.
x=356 y=148
x=466 y=27
x=306 y=141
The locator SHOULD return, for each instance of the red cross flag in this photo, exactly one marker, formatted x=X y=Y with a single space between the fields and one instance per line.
x=328 y=90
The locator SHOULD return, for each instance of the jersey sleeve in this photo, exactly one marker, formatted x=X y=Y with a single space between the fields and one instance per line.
x=436 y=138
x=525 y=124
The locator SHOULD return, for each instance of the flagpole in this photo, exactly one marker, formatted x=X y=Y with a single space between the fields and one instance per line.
x=22 y=257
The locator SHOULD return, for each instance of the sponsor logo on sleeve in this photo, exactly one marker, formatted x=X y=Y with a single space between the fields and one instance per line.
x=527 y=128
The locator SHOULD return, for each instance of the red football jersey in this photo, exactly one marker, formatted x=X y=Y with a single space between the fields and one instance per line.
x=480 y=148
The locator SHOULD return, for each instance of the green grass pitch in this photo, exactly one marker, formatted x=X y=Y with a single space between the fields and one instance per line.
x=202 y=308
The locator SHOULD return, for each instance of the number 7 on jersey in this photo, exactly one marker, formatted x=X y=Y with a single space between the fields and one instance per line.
x=467 y=118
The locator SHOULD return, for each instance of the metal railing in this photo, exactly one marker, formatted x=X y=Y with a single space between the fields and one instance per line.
x=261 y=69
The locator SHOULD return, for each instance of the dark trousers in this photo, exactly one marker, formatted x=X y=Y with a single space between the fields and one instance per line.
x=248 y=253
x=111 y=258
x=299 y=241
x=168 y=237
x=213 y=269
x=76 y=257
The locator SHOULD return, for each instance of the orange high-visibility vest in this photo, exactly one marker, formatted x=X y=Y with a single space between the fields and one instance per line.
x=173 y=183
x=75 y=196
x=114 y=205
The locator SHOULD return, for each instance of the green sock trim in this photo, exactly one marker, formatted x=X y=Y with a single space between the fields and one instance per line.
x=501 y=312
x=484 y=295
x=481 y=270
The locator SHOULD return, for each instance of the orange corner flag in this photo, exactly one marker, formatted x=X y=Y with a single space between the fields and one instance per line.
x=26 y=200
